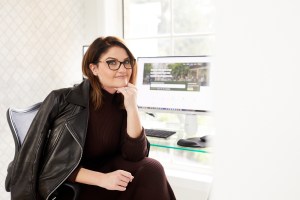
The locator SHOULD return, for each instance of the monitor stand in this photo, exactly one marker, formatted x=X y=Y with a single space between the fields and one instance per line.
x=190 y=124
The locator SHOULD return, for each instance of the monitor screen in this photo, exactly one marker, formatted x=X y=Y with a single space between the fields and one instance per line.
x=84 y=49
x=174 y=84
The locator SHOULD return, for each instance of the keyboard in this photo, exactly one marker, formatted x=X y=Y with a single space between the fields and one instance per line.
x=159 y=133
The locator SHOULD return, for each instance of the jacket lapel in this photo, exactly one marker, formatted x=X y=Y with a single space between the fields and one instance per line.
x=79 y=94
x=78 y=123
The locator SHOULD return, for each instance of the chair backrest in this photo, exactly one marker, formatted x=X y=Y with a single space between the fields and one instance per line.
x=19 y=121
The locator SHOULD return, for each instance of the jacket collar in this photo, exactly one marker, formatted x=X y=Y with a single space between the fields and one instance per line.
x=79 y=94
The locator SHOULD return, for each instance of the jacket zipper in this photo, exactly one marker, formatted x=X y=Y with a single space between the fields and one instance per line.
x=75 y=165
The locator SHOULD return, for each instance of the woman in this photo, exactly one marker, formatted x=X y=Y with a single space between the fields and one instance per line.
x=91 y=134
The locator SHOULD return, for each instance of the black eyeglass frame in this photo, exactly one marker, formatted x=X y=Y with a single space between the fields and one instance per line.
x=132 y=63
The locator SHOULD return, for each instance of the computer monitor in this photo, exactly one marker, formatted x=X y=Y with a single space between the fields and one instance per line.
x=84 y=49
x=174 y=84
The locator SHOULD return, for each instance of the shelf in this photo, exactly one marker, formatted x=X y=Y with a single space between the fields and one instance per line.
x=180 y=148
x=182 y=159
x=171 y=143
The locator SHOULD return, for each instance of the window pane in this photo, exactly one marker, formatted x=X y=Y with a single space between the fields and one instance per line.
x=193 y=46
x=196 y=16
x=146 y=18
x=150 y=47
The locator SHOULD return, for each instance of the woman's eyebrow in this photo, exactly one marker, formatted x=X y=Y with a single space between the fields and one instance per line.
x=110 y=58
x=116 y=58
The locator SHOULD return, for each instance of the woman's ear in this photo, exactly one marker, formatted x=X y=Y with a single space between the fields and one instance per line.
x=94 y=69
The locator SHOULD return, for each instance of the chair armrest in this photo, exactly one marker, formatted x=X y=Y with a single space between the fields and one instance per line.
x=74 y=187
x=67 y=190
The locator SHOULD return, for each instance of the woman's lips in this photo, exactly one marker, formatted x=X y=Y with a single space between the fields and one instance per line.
x=121 y=77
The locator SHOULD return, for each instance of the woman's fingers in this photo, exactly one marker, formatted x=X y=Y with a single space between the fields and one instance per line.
x=130 y=95
x=120 y=188
x=130 y=89
x=127 y=175
x=123 y=183
x=131 y=86
x=124 y=178
x=118 y=180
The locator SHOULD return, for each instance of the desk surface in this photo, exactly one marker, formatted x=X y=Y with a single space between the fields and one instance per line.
x=175 y=122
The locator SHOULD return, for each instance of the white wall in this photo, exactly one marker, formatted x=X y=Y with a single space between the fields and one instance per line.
x=103 y=18
x=40 y=50
x=256 y=79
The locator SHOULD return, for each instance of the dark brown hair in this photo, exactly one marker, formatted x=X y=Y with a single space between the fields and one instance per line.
x=96 y=49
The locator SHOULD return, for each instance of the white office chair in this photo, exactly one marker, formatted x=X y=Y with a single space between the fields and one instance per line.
x=19 y=121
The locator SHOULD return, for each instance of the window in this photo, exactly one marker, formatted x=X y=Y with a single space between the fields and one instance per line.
x=169 y=27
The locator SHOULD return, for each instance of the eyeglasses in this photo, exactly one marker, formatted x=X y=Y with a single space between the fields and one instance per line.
x=114 y=64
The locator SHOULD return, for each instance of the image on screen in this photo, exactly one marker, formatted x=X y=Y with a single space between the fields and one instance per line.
x=180 y=84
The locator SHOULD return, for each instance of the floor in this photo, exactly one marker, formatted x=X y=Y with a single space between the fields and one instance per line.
x=189 y=186
x=189 y=182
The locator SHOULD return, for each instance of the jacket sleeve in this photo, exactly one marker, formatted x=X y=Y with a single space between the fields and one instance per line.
x=24 y=168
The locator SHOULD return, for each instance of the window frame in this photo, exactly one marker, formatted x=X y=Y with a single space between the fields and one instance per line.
x=172 y=36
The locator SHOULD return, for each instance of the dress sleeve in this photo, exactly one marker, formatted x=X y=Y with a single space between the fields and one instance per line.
x=134 y=149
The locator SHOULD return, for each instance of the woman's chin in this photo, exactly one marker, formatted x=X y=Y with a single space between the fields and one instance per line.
x=122 y=84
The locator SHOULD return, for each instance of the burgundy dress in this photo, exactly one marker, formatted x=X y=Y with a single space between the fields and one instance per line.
x=109 y=148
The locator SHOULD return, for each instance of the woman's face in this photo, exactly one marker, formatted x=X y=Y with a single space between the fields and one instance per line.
x=111 y=79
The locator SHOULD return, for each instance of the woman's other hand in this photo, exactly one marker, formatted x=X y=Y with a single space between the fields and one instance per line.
x=116 y=180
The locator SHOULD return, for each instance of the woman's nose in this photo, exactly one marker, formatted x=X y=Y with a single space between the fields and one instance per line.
x=122 y=67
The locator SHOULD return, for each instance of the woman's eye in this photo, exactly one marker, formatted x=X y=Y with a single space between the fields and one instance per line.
x=127 y=62
x=111 y=62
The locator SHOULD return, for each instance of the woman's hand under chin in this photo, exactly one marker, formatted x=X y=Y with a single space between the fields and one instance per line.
x=130 y=94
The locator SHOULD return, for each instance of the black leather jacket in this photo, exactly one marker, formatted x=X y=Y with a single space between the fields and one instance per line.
x=61 y=122
x=56 y=134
